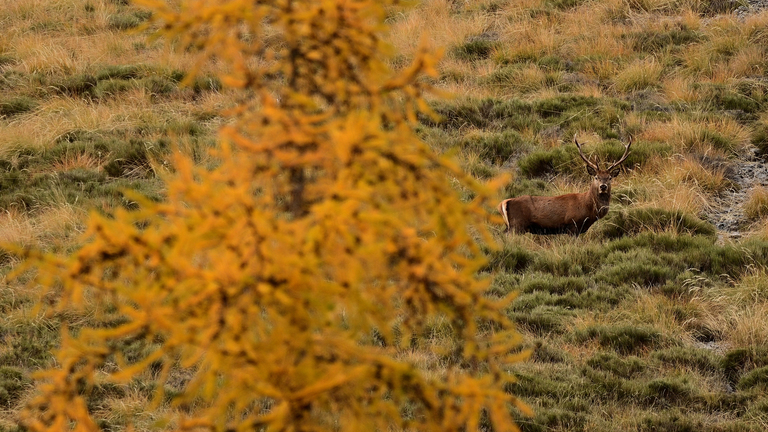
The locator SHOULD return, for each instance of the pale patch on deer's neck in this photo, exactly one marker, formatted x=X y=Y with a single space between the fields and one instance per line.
x=600 y=201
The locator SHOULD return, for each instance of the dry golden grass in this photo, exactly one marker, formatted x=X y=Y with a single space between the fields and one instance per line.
x=681 y=169
x=750 y=61
x=680 y=89
x=738 y=310
x=756 y=206
x=436 y=19
x=718 y=137
x=639 y=75
x=52 y=222
x=659 y=186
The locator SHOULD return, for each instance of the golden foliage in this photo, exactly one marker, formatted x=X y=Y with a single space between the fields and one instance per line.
x=286 y=281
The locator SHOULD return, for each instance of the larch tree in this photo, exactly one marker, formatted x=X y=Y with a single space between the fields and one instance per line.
x=288 y=281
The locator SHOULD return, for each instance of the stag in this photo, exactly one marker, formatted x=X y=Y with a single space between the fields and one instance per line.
x=571 y=213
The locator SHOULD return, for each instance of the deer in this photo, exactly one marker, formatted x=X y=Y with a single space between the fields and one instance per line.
x=571 y=213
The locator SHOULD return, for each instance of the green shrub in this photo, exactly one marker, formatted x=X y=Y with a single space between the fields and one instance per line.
x=133 y=158
x=606 y=386
x=640 y=153
x=555 y=385
x=722 y=97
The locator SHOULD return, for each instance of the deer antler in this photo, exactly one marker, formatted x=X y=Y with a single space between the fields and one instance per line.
x=587 y=161
x=626 y=153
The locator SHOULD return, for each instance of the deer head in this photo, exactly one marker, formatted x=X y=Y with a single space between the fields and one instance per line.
x=601 y=179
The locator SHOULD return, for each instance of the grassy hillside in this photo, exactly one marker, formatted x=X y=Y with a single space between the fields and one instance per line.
x=652 y=321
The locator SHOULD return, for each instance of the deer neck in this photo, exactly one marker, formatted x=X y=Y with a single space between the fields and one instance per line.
x=599 y=202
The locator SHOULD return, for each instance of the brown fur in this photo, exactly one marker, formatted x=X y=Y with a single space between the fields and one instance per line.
x=571 y=213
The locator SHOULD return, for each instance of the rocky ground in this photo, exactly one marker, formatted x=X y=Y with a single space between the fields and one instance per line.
x=728 y=212
x=749 y=7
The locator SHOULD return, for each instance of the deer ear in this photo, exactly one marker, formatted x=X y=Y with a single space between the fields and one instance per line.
x=614 y=172
x=591 y=171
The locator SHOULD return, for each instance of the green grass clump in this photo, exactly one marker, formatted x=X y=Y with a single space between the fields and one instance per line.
x=559 y=160
x=111 y=87
x=622 y=367
x=632 y=221
x=546 y=282
x=547 y=419
x=75 y=85
x=16 y=105
x=509 y=259
x=122 y=72
x=127 y=20
x=670 y=421
x=600 y=298
x=523 y=186
x=545 y=353
x=495 y=148
x=474 y=50
x=736 y=363
x=12 y=384
x=564 y=4
x=699 y=359
x=624 y=339
x=640 y=267
x=722 y=97
x=755 y=378
x=543 y=319
x=671 y=38
x=30 y=344
x=759 y=138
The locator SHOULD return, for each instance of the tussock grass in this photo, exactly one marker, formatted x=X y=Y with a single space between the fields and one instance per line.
x=756 y=206
x=639 y=75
